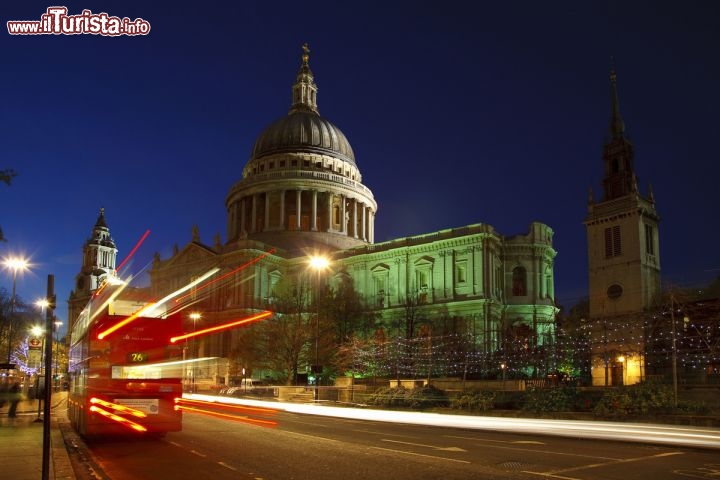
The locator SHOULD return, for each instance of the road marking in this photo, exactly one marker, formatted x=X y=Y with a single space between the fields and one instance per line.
x=519 y=449
x=553 y=473
x=421 y=455
x=198 y=453
x=223 y=464
x=434 y=447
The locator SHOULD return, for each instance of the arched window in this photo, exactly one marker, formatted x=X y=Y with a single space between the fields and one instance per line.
x=519 y=282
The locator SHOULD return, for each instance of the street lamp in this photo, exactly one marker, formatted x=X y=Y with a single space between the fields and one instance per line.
x=319 y=264
x=15 y=264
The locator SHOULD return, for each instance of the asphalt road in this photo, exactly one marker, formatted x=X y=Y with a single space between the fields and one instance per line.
x=303 y=447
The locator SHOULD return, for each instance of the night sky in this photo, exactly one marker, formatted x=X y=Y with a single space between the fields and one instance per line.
x=458 y=113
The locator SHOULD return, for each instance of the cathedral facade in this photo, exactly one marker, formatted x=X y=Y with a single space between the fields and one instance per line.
x=302 y=194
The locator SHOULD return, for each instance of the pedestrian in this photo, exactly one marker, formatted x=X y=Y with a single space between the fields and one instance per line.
x=14 y=396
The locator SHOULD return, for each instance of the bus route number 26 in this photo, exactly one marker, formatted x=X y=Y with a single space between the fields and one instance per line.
x=137 y=357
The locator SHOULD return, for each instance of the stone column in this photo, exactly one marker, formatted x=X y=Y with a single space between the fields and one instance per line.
x=282 y=210
x=242 y=217
x=364 y=222
x=266 y=222
x=355 y=218
x=298 y=209
x=313 y=218
x=254 y=213
x=371 y=227
x=343 y=213
x=329 y=212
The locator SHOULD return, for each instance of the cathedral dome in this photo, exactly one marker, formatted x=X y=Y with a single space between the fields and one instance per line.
x=303 y=131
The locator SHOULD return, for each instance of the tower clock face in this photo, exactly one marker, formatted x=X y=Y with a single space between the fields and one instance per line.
x=614 y=291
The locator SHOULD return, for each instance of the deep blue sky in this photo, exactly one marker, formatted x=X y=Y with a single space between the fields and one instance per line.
x=458 y=113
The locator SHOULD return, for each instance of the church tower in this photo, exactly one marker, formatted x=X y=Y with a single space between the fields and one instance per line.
x=623 y=246
x=99 y=256
x=622 y=230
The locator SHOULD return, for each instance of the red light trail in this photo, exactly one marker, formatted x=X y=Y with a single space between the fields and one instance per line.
x=254 y=318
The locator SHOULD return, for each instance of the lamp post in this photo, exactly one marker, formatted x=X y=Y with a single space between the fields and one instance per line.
x=15 y=264
x=195 y=316
x=674 y=351
x=37 y=333
x=58 y=324
x=319 y=264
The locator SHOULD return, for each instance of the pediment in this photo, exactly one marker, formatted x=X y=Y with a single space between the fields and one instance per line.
x=192 y=252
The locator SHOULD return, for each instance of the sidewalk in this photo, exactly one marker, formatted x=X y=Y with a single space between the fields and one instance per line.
x=21 y=442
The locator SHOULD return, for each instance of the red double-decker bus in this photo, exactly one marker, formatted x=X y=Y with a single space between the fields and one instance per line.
x=125 y=374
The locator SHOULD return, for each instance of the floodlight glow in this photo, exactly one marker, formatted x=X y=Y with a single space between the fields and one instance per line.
x=319 y=263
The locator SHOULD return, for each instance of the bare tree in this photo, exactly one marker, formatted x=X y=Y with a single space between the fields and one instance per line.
x=6 y=176
x=289 y=331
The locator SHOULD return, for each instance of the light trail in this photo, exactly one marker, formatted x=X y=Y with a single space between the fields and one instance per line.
x=269 y=252
x=224 y=326
x=118 y=407
x=187 y=287
x=236 y=413
x=132 y=252
x=122 y=421
x=615 y=431
x=149 y=309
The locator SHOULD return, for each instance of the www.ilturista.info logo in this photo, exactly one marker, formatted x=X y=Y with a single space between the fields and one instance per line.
x=56 y=21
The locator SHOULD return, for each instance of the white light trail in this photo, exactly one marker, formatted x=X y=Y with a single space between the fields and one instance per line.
x=616 y=431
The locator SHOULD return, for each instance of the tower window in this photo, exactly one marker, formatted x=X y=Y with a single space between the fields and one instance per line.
x=649 y=239
x=613 y=243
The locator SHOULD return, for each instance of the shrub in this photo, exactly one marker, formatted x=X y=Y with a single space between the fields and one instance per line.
x=401 y=397
x=559 y=399
x=639 y=399
x=474 y=401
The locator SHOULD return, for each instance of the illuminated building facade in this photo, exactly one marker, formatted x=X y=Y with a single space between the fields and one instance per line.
x=301 y=193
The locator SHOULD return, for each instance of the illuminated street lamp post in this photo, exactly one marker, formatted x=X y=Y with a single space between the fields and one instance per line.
x=319 y=264
x=15 y=264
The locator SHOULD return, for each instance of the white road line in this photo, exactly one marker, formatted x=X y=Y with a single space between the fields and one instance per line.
x=599 y=465
x=420 y=455
x=229 y=467
x=434 y=447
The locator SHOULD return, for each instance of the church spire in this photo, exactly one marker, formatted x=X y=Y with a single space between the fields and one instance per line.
x=617 y=126
x=101 y=219
x=304 y=92
x=618 y=156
